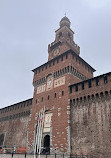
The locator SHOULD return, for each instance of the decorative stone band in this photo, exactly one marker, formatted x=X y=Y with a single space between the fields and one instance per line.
x=15 y=116
x=54 y=84
x=61 y=72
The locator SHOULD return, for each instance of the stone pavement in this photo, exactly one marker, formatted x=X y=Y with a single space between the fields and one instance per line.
x=29 y=156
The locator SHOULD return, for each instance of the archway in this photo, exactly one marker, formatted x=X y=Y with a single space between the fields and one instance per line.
x=47 y=143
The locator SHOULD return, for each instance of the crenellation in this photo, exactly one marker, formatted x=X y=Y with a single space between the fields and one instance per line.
x=8 y=112
x=97 y=82
x=63 y=56
x=61 y=72
x=15 y=116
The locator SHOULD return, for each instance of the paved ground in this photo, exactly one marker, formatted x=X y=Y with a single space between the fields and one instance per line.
x=29 y=156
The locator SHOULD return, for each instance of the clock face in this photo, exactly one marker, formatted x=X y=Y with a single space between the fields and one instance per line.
x=56 y=52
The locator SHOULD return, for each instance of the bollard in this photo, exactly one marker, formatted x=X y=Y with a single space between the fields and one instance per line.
x=55 y=155
x=63 y=155
x=25 y=155
x=46 y=155
x=12 y=155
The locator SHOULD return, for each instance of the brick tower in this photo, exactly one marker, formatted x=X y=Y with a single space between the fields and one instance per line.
x=50 y=115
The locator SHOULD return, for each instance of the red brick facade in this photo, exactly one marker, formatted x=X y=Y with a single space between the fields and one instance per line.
x=65 y=87
x=63 y=62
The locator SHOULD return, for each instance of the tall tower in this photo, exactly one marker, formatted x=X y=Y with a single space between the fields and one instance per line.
x=51 y=90
x=64 y=40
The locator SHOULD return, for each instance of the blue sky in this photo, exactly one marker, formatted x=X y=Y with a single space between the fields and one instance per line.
x=26 y=29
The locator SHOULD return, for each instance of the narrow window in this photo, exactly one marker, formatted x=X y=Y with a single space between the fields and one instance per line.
x=55 y=95
x=97 y=82
x=42 y=99
x=68 y=68
x=69 y=35
x=89 y=84
x=76 y=88
x=60 y=34
x=62 y=93
x=105 y=79
x=48 y=97
x=82 y=86
x=36 y=101
x=70 y=89
x=62 y=58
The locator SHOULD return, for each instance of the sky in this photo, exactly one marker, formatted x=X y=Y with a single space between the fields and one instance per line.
x=28 y=26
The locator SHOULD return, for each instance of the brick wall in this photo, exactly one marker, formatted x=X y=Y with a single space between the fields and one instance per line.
x=91 y=127
x=15 y=132
x=14 y=123
x=91 y=117
x=60 y=107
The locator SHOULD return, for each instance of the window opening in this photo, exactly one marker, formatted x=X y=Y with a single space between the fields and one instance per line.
x=70 y=89
x=90 y=85
x=62 y=93
x=76 y=88
x=97 y=82
x=105 y=79
x=42 y=99
x=82 y=86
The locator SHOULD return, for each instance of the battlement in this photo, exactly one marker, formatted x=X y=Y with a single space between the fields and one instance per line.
x=96 y=86
x=56 y=59
x=74 y=46
x=53 y=45
x=21 y=108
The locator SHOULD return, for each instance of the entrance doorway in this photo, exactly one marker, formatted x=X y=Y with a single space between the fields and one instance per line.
x=47 y=143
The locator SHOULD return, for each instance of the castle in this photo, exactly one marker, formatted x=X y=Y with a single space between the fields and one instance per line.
x=70 y=111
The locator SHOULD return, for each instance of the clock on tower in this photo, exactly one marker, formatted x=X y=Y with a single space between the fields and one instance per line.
x=56 y=52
